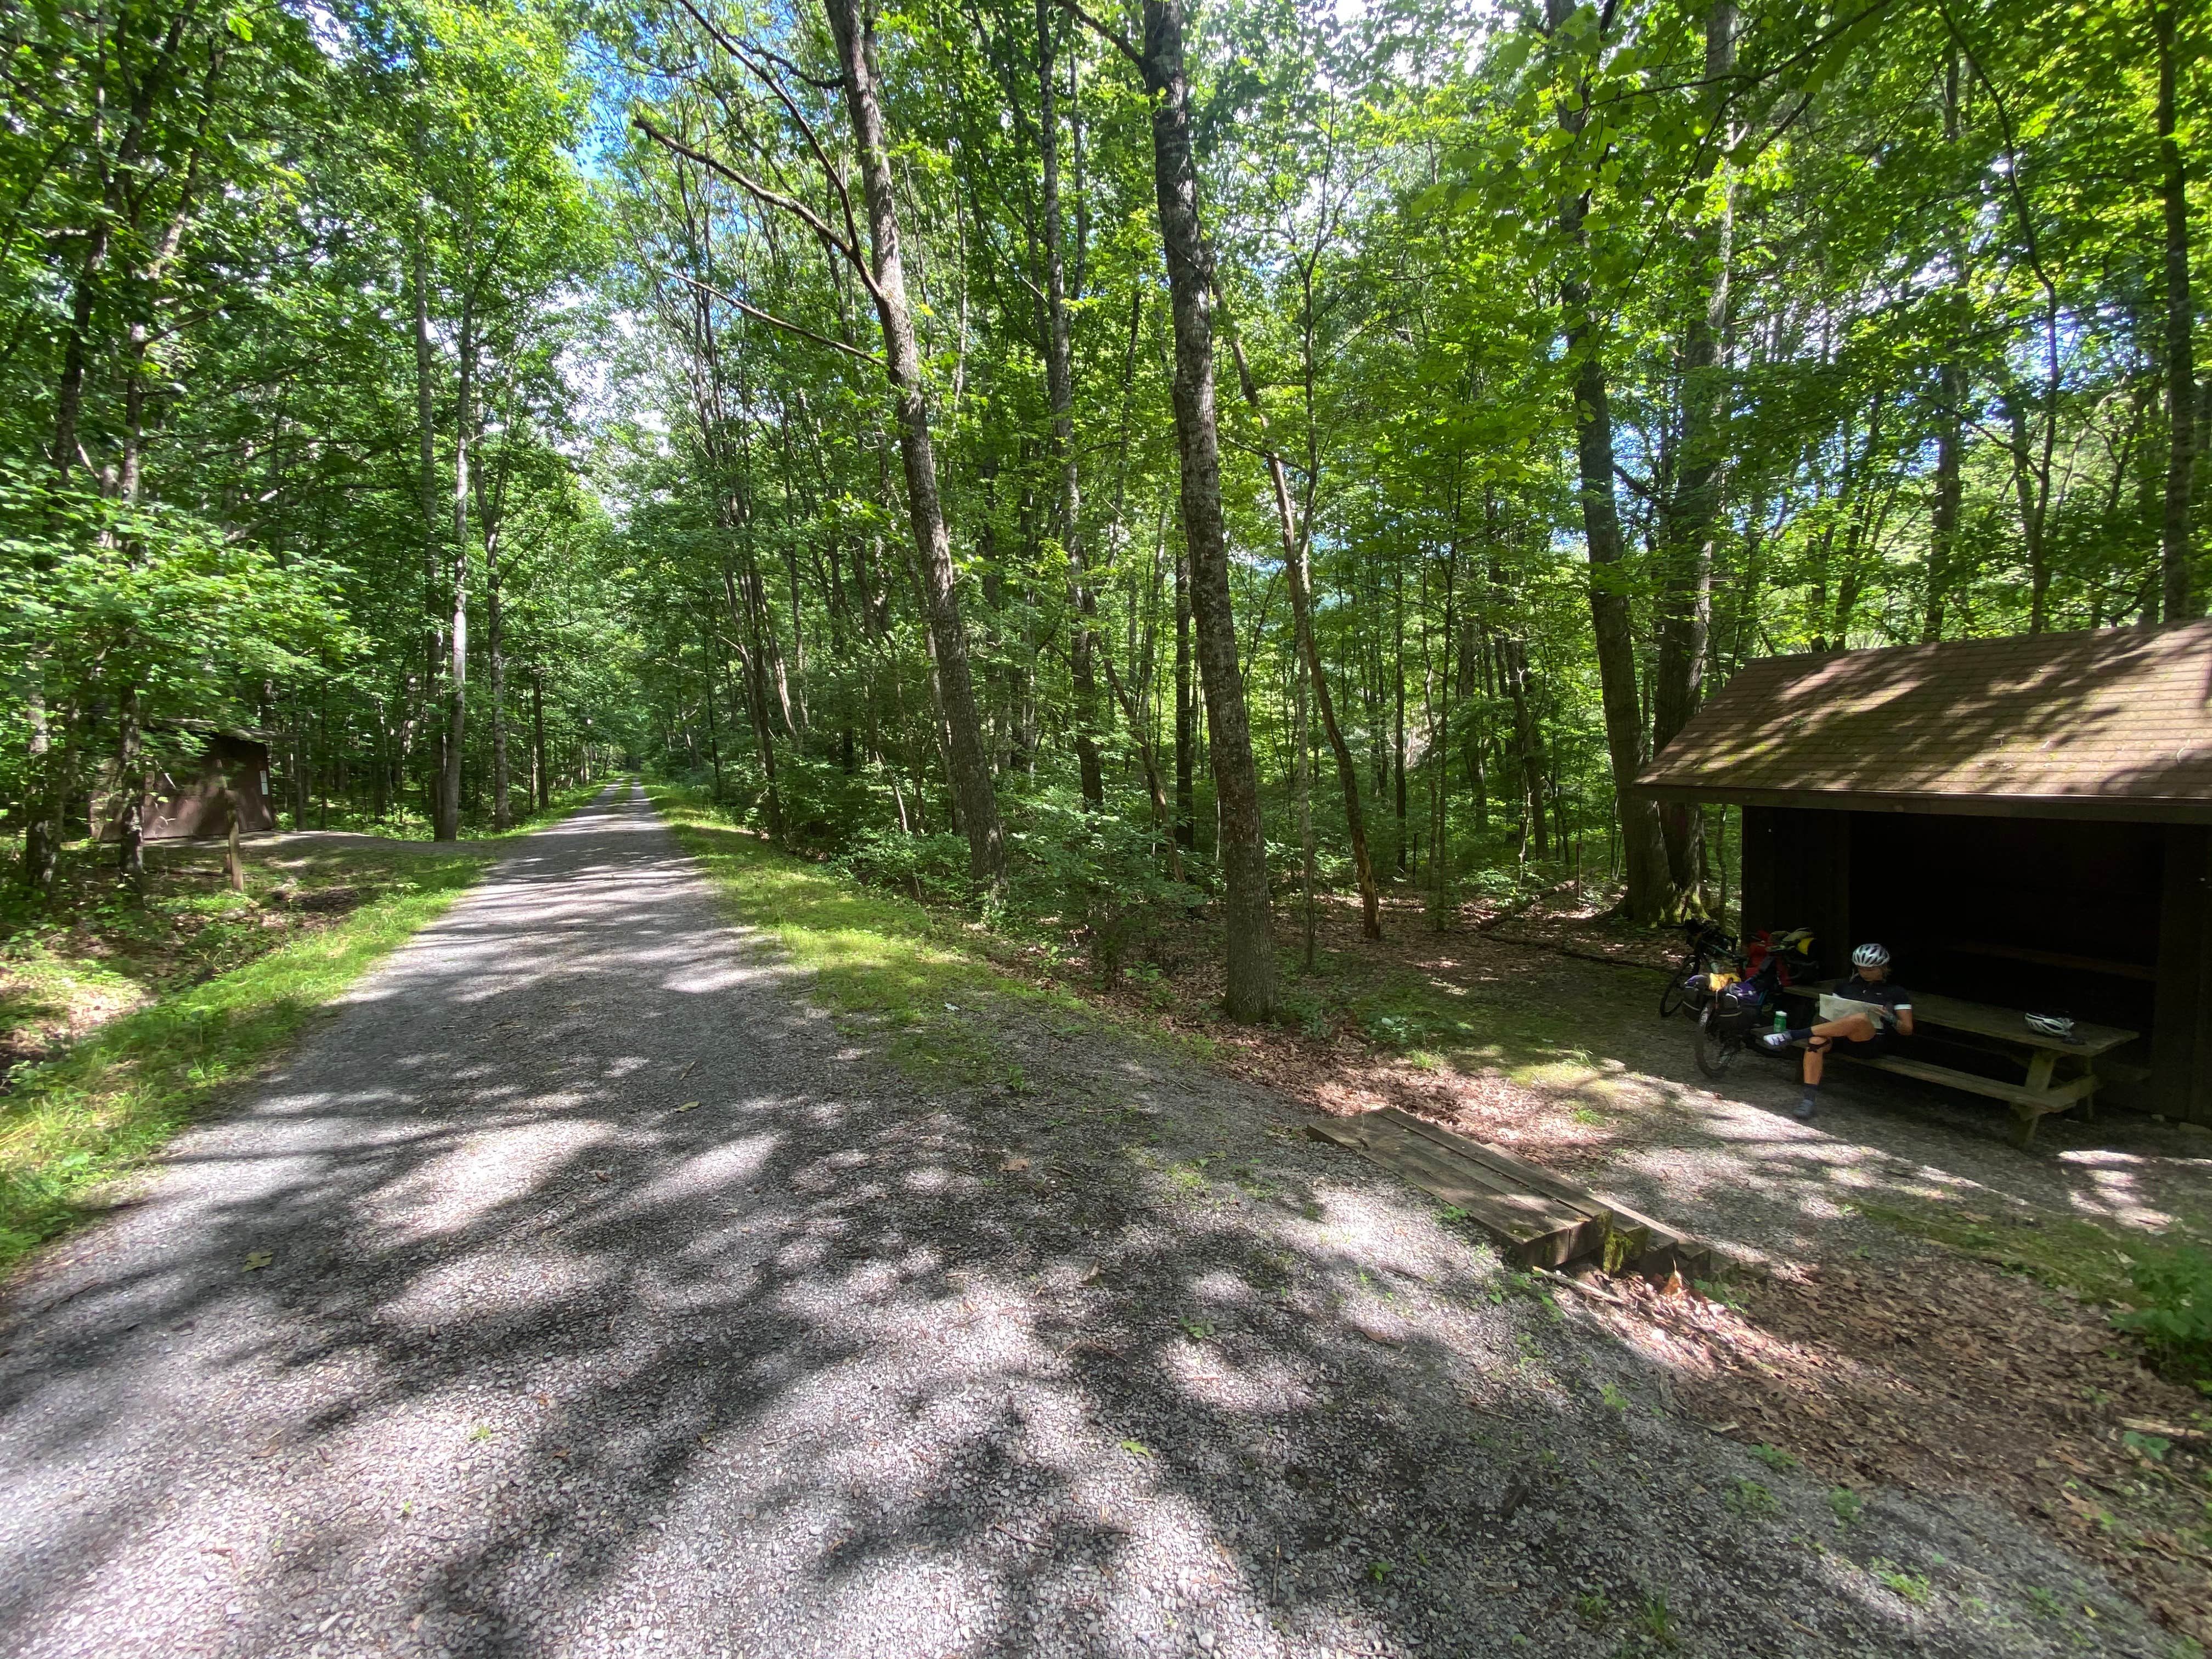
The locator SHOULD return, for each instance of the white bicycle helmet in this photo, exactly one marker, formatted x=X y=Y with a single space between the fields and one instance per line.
x=1871 y=956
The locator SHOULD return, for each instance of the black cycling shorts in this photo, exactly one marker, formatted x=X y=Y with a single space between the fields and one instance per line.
x=1872 y=1049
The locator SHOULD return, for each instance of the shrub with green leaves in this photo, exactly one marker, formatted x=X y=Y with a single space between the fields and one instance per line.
x=1097 y=872
x=931 y=868
x=2175 y=1317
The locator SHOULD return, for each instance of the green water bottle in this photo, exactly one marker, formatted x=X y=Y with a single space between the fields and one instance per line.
x=1781 y=1020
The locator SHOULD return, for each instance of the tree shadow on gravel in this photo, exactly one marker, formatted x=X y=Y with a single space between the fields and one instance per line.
x=582 y=1289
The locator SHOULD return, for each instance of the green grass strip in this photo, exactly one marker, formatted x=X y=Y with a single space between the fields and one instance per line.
x=884 y=961
x=118 y=1096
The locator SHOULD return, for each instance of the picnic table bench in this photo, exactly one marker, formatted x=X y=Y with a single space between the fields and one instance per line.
x=2047 y=1088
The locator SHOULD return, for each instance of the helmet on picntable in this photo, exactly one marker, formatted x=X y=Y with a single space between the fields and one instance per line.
x=1870 y=956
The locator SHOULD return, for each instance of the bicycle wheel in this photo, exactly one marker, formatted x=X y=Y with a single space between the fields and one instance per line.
x=1676 y=994
x=1715 y=1050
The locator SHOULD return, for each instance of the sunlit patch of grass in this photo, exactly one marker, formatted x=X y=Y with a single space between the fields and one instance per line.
x=121 y=1093
x=880 y=959
x=45 y=998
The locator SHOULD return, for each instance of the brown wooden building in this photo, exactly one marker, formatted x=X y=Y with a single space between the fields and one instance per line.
x=194 y=770
x=2025 y=822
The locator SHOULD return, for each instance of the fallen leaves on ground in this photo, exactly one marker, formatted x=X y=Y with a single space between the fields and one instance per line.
x=1942 y=1374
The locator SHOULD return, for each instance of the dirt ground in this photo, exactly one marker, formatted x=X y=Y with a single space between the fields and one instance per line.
x=1870 y=1328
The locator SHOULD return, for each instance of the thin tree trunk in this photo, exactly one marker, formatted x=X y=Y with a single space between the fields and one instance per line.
x=1161 y=812
x=2177 y=582
x=2031 y=490
x=1643 y=856
x=1686 y=593
x=54 y=775
x=1302 y=737
x=1060 y=386
x=449 y=827
x=713 y=736
x=1298 y=567
x=433 y=627
x=1398 y=707
x=502 y=814
x=131 y=787
x=970 y=767
x=541 y=777
x=1186 y=811
x=1248 y=927
x=1513 y=652
x=1950 y=422
x=744 y=618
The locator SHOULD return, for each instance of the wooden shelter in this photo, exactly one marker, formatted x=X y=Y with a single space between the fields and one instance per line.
x=194 y=769
x=2025 y=822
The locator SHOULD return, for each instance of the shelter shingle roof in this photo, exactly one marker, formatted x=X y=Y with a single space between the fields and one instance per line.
x=2113 y=722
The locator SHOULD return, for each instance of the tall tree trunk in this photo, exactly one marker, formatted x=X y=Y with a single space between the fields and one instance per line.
x=36 y=874
x=69 y=395
x=52 y=776
x=1301 y=788
x=426 y=484
x=1131 y=712
x=130 y=790
x=2177 y=577
x=1249 y=922
x=448 y=825
x=1686 y=577
x=1398 y=707
x=1060 y=387
x=713 y=736
x=502 y=814
x=1186 y=760
x=1298 y=567
x=1950 y=420
x=1943 y=516
x=540 y=777
x=745 y=618
x=2031 y=490
x=1527 y=741
x=970 y=767
x=1643 y=863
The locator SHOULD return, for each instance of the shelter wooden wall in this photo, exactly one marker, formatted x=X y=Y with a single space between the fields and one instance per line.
x=192 y=789
x=2181 y=1041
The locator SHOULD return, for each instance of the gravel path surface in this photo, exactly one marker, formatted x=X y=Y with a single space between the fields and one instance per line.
x=473 y=1334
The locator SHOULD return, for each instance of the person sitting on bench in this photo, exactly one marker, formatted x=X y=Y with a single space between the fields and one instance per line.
x=1856 y=1018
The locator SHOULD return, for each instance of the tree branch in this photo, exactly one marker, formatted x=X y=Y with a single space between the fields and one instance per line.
x=759 y=315
x=791 y=107
x=761 y=192
x=1112 y=36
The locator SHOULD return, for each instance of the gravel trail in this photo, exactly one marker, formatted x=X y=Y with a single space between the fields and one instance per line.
x=580 y=1289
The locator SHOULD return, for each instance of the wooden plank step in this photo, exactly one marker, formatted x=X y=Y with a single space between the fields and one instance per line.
x=1528 y=1229
x=1531 y=1177
x=1535 y=1217
x=1433 y=1168
x=1651 y=1248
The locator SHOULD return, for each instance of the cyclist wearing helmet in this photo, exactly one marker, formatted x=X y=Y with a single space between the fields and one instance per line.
x=1859 y=1015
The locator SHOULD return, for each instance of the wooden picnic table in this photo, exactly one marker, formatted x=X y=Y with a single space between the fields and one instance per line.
x=2052 y=1084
